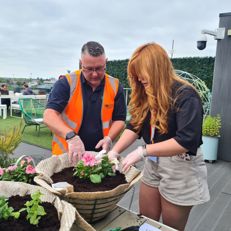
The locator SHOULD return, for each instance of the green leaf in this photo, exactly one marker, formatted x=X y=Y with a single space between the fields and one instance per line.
x=111 y=174
x=16 y=215
x=34 y=210
x=95 y=178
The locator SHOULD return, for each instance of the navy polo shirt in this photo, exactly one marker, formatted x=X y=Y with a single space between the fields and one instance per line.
x=91 y=128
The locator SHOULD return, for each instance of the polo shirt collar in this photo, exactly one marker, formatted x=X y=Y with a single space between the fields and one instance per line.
x=84 y=81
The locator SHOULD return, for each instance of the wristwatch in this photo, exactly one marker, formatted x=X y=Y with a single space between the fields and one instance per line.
x=144 y=150
x=70 y=135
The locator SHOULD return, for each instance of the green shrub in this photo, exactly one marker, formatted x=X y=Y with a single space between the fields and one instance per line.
x=9 y=141
x=211 y=126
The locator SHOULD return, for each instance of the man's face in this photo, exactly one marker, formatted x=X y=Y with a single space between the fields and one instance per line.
x=93 y=69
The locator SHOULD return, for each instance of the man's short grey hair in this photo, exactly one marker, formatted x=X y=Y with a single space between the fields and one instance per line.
x=92 y=48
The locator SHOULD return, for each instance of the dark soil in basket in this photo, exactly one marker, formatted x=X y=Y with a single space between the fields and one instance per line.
x=49 y=222
x=83 y=185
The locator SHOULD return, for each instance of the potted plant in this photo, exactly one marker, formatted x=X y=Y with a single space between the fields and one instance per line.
x=22 y=171
x=28 y=207
x=92 y=186
x=211 y=133
x=9 y=141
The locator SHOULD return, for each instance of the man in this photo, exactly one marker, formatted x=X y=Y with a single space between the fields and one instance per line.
x=27 y=90
x=86 y=109
x=4 y=91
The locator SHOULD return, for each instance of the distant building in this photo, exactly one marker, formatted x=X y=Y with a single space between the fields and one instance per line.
x=50 y=81
x=43 y=89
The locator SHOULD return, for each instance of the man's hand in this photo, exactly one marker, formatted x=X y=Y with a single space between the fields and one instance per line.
x=132 y=158
x=105 y=143
x=75 y=149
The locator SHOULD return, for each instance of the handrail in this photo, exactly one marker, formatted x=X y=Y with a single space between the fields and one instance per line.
x=127 y=91
x=23 y=96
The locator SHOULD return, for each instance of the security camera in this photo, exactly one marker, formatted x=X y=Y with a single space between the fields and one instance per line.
x=201 y=43
x=218 y=34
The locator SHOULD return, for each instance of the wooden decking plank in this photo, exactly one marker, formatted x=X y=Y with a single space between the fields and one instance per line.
x=214 y=214
x=200 y=213
x=224 y=223
x=132 y=198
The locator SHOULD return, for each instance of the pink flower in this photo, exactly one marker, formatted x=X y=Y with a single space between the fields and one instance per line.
x=30 y=169
x=11 y=168
x=1 y=171
x=22 y=162
x=29 y=159
x=89 y=159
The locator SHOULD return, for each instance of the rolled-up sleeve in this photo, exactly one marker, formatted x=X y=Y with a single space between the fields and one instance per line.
x=189 y=117
x=120 y=108
x=59 y=95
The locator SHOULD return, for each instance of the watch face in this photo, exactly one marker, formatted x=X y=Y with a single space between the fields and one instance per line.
x=70 y=135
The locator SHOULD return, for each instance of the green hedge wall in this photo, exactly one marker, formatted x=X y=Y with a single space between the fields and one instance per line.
x=202 y=67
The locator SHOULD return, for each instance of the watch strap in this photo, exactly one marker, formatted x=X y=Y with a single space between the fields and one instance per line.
x=70 y=135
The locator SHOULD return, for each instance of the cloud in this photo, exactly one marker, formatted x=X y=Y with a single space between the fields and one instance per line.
x=45 y=37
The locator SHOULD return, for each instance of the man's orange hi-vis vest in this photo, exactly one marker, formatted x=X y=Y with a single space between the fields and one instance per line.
x=73 y=113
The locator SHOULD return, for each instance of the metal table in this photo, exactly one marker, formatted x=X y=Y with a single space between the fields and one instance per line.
x=120 y=217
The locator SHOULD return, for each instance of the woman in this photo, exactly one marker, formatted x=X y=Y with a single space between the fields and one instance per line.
x=167 y=113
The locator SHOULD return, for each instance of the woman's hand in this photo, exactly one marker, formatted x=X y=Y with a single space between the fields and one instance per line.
x=133 y=157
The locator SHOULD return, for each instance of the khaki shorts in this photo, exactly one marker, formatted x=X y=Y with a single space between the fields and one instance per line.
x=181 y=181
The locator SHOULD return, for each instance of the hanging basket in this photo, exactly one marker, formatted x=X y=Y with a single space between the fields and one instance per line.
x=68 y=216
x=92 y=206
x=23 y=157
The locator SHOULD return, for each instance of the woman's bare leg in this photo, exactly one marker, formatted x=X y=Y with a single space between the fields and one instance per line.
x=175 y=216
x=149 y=201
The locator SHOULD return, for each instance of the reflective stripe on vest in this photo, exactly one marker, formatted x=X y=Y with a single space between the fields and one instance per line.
x=73 y=113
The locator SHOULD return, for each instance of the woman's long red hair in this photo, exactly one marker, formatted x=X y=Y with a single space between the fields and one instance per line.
x=151 y=63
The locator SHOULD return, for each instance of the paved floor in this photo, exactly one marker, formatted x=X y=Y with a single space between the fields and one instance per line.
x=30 y=150
x=212 y=216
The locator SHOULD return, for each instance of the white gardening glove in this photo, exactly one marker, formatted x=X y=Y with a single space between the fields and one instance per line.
x=133 y=157
x=112 y=155
x=75 y=149
x=105 y=143
x=100 y=155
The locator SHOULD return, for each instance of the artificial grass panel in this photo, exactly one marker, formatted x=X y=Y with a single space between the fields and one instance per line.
x=30 y=134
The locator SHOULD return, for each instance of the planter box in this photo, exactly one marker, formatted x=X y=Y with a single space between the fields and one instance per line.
x=210 y=147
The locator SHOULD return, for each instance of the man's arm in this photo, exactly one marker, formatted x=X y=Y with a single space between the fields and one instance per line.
x=119 y=114
x=116 y=128
x=58 y=99
x=57 y=102
x=55 y=122
x=118 y=121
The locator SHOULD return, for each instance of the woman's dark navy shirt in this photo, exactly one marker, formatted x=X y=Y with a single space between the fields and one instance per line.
x=184 y=120
x=91 y=128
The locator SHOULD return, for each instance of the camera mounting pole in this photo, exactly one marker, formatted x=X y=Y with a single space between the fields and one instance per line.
x=218 y=34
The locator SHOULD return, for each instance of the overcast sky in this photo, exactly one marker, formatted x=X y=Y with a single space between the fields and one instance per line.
x=43 y=38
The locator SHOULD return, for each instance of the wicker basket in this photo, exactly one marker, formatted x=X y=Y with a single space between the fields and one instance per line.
x=68 y=216
x=92 y=206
